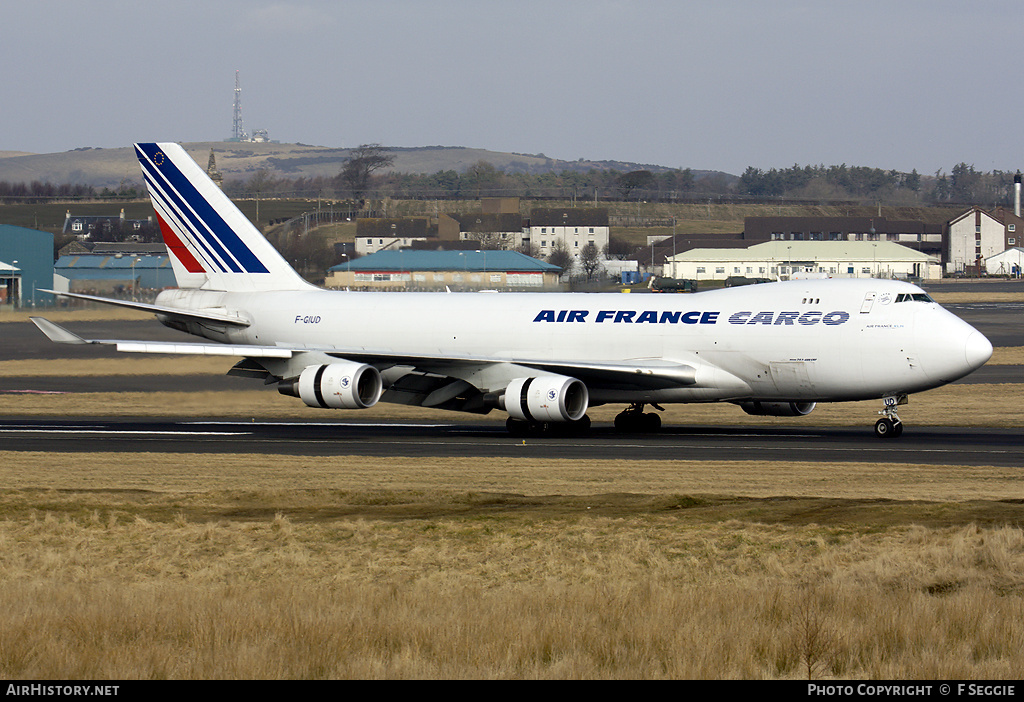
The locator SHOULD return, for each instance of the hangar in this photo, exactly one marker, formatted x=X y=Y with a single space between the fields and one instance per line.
x=26 y=266
x=1009 y=262
x=115 y=273
x=410 y=269
x=781 y=260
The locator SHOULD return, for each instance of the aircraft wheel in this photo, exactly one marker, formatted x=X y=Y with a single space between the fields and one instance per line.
x=886 y=429
x=642 y=422
x=517 y=427
x=580 y=426
x=897 y=430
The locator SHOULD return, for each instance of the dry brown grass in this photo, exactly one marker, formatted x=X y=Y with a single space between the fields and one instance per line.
x=1007 y=356
x=966 y=297
x=100 y=585
x=174 y=566
x=86 y=314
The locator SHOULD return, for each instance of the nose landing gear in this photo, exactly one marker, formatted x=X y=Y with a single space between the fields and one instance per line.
x=890 y=426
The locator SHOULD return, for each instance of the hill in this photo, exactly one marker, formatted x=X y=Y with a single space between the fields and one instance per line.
x=110 y=168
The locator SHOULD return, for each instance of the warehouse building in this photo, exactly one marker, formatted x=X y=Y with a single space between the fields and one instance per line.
x=409 y=269
x=117 y=274
x=784 y=260
x=26 y=266
x=1009 y=262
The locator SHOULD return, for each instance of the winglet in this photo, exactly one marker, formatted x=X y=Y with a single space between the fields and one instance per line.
x=57 y=333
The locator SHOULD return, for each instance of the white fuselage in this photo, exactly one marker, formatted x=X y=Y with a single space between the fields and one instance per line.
x=814 y=340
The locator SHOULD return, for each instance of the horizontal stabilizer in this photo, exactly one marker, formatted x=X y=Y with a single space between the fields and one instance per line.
x=157 y=309
x=57 y=333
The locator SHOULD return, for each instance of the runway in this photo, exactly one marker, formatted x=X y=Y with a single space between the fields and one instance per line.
x=921 y=445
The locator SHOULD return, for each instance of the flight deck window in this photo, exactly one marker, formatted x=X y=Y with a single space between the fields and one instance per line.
x=914 y=297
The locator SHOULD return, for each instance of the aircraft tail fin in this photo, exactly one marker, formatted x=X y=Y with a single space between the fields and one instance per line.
x=210 y=242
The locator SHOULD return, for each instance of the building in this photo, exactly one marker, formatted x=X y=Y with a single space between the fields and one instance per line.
x=782 y=260
x=971 y=239
x=93 y=226
x=115 y=274
x=26 y=266
x=438 y=270
x=375 y=234
x=922 y=236
x=502 y=230
x=573 y=228
x=1009 y=262
x=1013 y=224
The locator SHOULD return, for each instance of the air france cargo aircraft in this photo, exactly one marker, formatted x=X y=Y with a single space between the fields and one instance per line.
x=543 y=358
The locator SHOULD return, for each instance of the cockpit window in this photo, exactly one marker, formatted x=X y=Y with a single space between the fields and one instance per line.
x=914 y=297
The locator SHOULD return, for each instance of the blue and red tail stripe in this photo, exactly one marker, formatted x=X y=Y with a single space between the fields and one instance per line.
x=214 y=239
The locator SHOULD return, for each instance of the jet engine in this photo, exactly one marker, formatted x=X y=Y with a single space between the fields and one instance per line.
x=546 y=398
x=336 y=385
x=777 y=409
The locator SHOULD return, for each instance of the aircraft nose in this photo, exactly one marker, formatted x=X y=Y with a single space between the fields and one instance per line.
x=978 y=350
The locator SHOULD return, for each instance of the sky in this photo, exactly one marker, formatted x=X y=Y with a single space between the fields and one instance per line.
x=702 y=84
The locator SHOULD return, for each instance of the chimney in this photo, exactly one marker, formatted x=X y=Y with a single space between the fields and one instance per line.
x=1016 y=194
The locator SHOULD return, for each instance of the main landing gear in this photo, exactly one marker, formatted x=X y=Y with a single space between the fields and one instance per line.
x=522 y=427
x=633 y=419
x=890 y=426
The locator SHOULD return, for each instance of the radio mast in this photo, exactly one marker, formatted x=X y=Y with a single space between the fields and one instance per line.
x=238 y=131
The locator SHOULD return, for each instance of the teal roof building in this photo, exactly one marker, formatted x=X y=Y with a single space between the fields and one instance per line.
x=412 y=269
x=26 y=266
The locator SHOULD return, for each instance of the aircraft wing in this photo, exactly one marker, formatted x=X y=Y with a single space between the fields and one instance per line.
x=641 y=372
x=60 y=335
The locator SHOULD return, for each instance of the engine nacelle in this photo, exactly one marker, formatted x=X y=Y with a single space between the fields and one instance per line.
x=546 y=398
x=336 y=385
x=777 y=409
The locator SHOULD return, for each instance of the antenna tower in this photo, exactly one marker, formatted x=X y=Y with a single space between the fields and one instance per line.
x=238 y=131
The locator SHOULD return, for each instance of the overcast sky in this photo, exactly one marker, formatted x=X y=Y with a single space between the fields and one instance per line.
x=704 y=84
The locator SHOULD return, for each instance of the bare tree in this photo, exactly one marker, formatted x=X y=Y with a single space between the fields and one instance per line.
x=560 y=256
x=360 y=166
x=590 y=260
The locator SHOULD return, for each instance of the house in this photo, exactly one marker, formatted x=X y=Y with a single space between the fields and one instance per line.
x=502 y=230
x=103 y=226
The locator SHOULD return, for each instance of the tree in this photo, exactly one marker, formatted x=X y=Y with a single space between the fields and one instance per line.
x=590 y=260
x=359 y=167
x=560 y=256
x=628 y=182
x=618 y=249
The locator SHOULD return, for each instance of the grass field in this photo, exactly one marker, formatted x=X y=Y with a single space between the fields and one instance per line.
x=160 y=565
x=165 y=566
